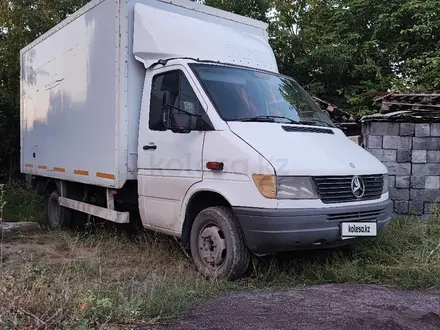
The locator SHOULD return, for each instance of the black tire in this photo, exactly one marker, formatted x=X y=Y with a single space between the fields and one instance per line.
x=58 y=217
x=218 y=245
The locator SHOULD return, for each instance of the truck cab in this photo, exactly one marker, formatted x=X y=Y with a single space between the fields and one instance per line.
x=237 y=160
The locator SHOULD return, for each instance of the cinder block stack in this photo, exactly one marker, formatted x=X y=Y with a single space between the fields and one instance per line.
x=411 y=152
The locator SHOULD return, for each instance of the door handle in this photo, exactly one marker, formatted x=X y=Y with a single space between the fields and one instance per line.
x=151 y=146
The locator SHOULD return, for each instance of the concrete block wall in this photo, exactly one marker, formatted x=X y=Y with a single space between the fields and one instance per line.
x=411 y=152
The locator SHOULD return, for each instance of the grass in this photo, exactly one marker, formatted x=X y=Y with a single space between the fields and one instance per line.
x=105 y=276
x=22 y=204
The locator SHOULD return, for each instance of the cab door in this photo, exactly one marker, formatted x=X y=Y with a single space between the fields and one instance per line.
x=168 y=163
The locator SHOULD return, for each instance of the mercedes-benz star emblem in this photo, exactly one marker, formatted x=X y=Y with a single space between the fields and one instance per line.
x=357 y=186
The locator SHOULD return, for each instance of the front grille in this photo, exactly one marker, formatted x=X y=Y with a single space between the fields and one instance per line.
x=337 y=189
x=356 y=216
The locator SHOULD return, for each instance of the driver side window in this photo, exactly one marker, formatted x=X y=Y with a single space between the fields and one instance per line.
x=182 y=96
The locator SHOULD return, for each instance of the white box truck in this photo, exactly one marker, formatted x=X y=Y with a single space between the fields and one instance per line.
x=176 y=112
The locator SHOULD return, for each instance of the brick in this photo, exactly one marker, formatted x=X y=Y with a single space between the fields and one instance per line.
x=398 y=168
x=431 y=208
x=374 y=141
x=401 y=207
x=407 y=129
x=398 y=194
x=424 y=195
x=391 y=181
x=384 y=128
x=433 y=156
x=432 y=182
x=384 y=155
x=426 y=143
x=402 y=181
x=397 y=142
x=435 y=129
x=426 y=169
x=422 y=130
x=415 y=207
x=403 y=156
x=418 y=156
x=418 y=181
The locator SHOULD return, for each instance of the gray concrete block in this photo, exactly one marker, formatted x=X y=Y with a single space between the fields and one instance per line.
x=407 y=129
x=403 y=156
x=433 y=156
x=415 y=207
x=384 y=155
x=418 y=181
x=401 y=207
x=391 y=181
x=424 y=195
x=419 y=156
x=426 y=143
x=398 y=168
x=422 y=130
x=398 y=194
x=374 y=141
x=426 y=169
x=385 y=128
x=397 y=142
x=402 y=181
x=435 y=129
x=432 y=182
x=366 y=128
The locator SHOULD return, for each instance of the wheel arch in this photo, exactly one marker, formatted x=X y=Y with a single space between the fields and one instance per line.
x=198 y=201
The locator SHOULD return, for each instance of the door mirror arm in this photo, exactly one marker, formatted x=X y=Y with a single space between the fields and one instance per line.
x=180 y=121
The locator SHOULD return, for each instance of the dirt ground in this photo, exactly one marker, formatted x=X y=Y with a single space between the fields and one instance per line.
x=318 y=307
x=343 y=306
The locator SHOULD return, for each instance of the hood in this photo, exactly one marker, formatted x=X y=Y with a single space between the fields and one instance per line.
x=307 y=153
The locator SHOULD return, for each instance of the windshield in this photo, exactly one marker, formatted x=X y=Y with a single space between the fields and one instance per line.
x=241 y=94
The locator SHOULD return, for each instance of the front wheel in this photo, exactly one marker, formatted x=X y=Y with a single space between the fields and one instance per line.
x=217 y=244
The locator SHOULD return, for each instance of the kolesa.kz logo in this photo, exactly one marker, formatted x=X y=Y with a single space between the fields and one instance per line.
x=359 y=229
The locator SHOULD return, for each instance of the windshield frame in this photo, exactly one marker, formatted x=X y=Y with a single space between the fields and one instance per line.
x=303 y=93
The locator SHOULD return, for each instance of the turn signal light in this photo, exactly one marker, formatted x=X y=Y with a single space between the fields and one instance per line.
x=215 y=166
x=266 y=184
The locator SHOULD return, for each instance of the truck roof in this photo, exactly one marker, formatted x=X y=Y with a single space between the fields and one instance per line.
x=197 y=7
x=165 y=29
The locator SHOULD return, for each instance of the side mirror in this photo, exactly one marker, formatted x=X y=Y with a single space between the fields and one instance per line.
x=179 y=120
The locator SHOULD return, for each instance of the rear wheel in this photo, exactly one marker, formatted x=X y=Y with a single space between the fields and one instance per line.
x=58 y=217
x=217 y=244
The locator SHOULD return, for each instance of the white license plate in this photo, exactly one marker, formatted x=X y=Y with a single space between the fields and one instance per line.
x=356 y=229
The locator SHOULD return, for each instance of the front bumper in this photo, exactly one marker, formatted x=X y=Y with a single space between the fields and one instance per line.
x=276 y=230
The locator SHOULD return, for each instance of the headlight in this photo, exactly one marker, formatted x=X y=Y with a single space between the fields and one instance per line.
x=385 y=184
x=296 y=188
x=266 y=184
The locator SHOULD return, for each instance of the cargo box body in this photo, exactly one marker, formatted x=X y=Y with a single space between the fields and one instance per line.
x=77 y=122
x=81 y=83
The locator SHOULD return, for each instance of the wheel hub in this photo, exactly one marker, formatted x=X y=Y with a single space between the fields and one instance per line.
x=212 y=246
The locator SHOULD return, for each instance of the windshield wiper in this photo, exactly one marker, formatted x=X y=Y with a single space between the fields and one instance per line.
x=270 y=119
x=314 y=122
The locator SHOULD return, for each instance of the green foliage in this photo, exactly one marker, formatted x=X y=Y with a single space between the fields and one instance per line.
x=21 y=204
x=345 y=50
